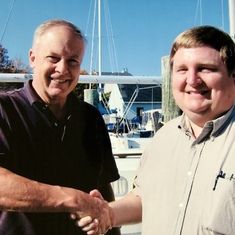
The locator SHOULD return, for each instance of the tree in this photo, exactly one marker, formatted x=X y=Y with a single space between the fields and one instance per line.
x=10 y=66
x=5 y=63
x=79 y=89
x=19 y=67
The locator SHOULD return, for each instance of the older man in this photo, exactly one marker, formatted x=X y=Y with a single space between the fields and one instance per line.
x=53 y=147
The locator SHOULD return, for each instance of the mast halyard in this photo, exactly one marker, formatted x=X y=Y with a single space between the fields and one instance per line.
x=232 y=18
x=99 y=36
x=100 y=49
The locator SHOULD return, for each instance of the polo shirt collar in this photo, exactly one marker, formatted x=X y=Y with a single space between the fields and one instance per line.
x=31 y=94
x=34 y=98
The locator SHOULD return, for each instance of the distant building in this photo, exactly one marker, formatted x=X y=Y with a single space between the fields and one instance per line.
x=135 y=98
x=130 y=99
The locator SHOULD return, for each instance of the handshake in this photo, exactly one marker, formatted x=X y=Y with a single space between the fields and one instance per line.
x=102 y=216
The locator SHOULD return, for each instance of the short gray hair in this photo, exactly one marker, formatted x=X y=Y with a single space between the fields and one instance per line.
x=41 y=29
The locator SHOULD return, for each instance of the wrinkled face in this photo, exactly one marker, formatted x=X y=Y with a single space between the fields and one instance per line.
x=56 y=60
x=202 y=87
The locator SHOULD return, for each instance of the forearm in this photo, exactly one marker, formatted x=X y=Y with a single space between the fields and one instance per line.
x=127 y=210
x=21 y=194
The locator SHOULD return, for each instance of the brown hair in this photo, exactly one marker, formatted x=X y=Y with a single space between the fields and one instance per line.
x=207 y=36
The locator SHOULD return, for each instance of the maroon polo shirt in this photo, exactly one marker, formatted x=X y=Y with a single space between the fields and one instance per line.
x=73 y=153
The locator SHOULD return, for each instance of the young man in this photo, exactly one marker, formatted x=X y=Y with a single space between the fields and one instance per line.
x=185 y=181
x=53 y=147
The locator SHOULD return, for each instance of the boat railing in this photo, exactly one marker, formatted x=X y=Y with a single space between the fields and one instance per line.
x=109 y=79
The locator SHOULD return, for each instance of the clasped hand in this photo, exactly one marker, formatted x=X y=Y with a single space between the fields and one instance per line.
x=99 y=221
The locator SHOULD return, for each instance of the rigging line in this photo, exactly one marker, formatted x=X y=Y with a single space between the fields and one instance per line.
x=88 y=19
x=152 y=98
x=201 y=12
x=222 y=14
x=93 y=36
x=112 y=48
x=8 y=19
x=95 y=58
x=195 y=18
x=106 y=104
x=108 y=35
x=198 y=9
x=149 y=87
x=114 y=45
x=131 y=101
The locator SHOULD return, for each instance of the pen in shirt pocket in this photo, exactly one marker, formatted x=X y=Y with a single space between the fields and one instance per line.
x=220 y=175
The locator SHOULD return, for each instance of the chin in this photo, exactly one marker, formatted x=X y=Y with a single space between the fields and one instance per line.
x=58 y=94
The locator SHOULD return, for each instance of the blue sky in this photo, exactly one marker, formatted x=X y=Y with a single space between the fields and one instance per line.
x=142 y=30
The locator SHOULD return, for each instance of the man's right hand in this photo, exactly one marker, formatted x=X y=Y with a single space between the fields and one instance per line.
x=96 y=223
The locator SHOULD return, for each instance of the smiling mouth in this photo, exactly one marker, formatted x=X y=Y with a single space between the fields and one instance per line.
x=60 y=80
x=197 y=92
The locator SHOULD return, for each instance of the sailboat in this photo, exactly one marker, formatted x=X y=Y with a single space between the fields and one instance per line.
x=129 y=142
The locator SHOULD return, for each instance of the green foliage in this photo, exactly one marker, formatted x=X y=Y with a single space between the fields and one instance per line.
x=5 y=62
x=79 y=89
x=10 y=66
x=107 y=95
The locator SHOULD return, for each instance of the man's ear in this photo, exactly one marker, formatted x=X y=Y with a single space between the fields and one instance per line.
x=31 y=58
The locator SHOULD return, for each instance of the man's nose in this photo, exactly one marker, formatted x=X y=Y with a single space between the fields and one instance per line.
x=193 y=78
x=62 y=67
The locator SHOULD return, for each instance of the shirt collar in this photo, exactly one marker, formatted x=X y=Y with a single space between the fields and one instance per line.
x=34 y=98
x=217 y=123
x=31 y=94
x=210 y=127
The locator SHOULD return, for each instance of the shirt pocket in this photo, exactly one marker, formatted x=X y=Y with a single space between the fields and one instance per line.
x=219 y=211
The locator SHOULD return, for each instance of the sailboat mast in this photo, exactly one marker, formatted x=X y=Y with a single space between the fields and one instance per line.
x=100 y=49
x=99 y=36
x=232 y=18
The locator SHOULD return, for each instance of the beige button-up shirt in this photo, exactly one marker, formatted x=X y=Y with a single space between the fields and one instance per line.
x=187 y=185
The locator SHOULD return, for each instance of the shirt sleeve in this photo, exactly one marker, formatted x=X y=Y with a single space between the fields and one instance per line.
x=100 y=150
